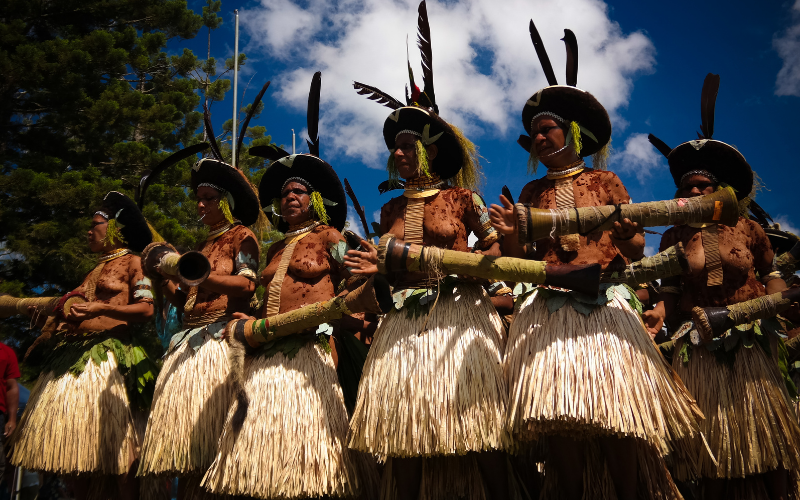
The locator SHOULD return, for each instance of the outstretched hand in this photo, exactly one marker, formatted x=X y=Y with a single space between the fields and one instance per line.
x=362 y=262
x=86 y=310
x=503 y=218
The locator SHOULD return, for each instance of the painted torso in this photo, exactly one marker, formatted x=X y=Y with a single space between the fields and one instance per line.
x=591 y=188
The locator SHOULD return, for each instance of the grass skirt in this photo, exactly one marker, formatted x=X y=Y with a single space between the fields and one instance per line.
x=293 y=441
x=439 y=392
x=750 y=424
x=190 y=403
x=601 y=374
x=78 y=425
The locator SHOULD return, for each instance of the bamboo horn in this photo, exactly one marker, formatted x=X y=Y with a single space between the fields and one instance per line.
x=191 y=268
x=535 y=224
x=12 y=306
x=396 y=255
x=670 y=262
x=787 y=262
x=714 y=321
x=374 y=296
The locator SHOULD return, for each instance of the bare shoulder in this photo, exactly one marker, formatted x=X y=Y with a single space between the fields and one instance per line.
x=328 y=234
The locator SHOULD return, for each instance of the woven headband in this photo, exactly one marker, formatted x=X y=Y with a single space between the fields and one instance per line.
x=297 y=179
x=704 y=173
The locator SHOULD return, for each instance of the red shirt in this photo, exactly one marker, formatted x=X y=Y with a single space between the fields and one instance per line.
x=9 y=368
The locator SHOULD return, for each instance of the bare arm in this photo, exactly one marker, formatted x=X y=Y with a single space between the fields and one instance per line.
x=12 y=403
x=139 y=312
x=504 y=220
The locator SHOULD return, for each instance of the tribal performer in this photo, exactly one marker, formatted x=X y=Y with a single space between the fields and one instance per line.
x=586 y=381
x=433 y=386
x=289 y=439
x=85 y=417
x=750 y=425
x=192 y=396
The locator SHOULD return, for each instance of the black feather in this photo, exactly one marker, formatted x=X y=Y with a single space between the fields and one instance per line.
x=572 y=57
x=708 y=101
x=271 y=152
x=426 y=51
x=507 y=194
x=760 y=214
x=150 y=176
x=210 y=133
x=357 y=206
x=312 y=115
x=660 y=145
x=247 y=118
x=376 y=94
x=385 y=186
x=525 y=142
x=542 y=53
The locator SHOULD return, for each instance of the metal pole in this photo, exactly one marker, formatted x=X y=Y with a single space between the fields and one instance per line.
x=235 y=86
x=293 y=141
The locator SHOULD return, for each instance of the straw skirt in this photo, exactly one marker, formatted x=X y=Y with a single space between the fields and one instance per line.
x=78 y=425
x=435 y=392
x=293 y=440
x=596 y=375
x=750 y=424
x=190 y=403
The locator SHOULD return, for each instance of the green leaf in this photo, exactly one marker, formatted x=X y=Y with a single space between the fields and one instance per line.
x=556 y=303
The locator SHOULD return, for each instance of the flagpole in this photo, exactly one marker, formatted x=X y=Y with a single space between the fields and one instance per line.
x=235 y=86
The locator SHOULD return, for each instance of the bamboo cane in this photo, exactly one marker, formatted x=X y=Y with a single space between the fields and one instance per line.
x=12 y=306
x=191 y=268
x=535 y=224
x=670 y=262
x=714 y=321
x=395 y=255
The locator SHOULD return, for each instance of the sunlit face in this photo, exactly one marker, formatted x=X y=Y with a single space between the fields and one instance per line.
x=97 y=233
x=549 y=137
x=696 y=185
x=405 y=155
x=295 y=200
x=208 y=206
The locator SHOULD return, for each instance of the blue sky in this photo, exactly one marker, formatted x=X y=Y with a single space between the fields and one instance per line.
x=645 y=61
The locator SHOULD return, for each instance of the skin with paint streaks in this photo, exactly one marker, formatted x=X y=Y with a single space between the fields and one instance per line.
x=591 y=188
x=313 y=273
x=744 y=251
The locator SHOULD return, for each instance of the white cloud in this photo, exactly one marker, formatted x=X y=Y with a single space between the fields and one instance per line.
x=787 y=44
x=353 y=222
x=786 y=224
x=485 y=66
x=638 y=157
x=649 y=251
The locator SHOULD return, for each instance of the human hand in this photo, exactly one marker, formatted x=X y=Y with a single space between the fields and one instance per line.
x=362 y=262
x=503 y=218
x=10 y=426
x=624 y=230
x=86 y=310
x=653 y=321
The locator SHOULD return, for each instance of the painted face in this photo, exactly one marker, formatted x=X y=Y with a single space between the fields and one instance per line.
x=405 y=155
x=208 y=206
x=295 y=200
x=97 y=233
x=548 y=136
x=696 y=185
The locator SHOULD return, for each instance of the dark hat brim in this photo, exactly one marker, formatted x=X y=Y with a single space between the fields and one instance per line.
x=316 y=172
x=134 y=230
x=450 y=155
x=781 y=241
x=722 y=160
x=573 y=105
x=245 y=207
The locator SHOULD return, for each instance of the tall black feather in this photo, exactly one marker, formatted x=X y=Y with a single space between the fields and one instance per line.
x=542 y=53
x=526 y=142
x=660 y=145
x=170 y=160
x=247 y=118
x=708 y=100
x=760 y=214
x=376 y=94
x=312 y=115
x=572 y=57
x=507 y=194
x=426 y=51
x=210 y=133
x=271 y=152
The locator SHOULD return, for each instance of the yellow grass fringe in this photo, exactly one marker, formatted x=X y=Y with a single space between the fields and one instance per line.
x=450 y=478
x=750 y=424
x=78 y=425
x=653 y=479
x=437 y=392
x=600 y=374
x=190 y=403
x=292 y=442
